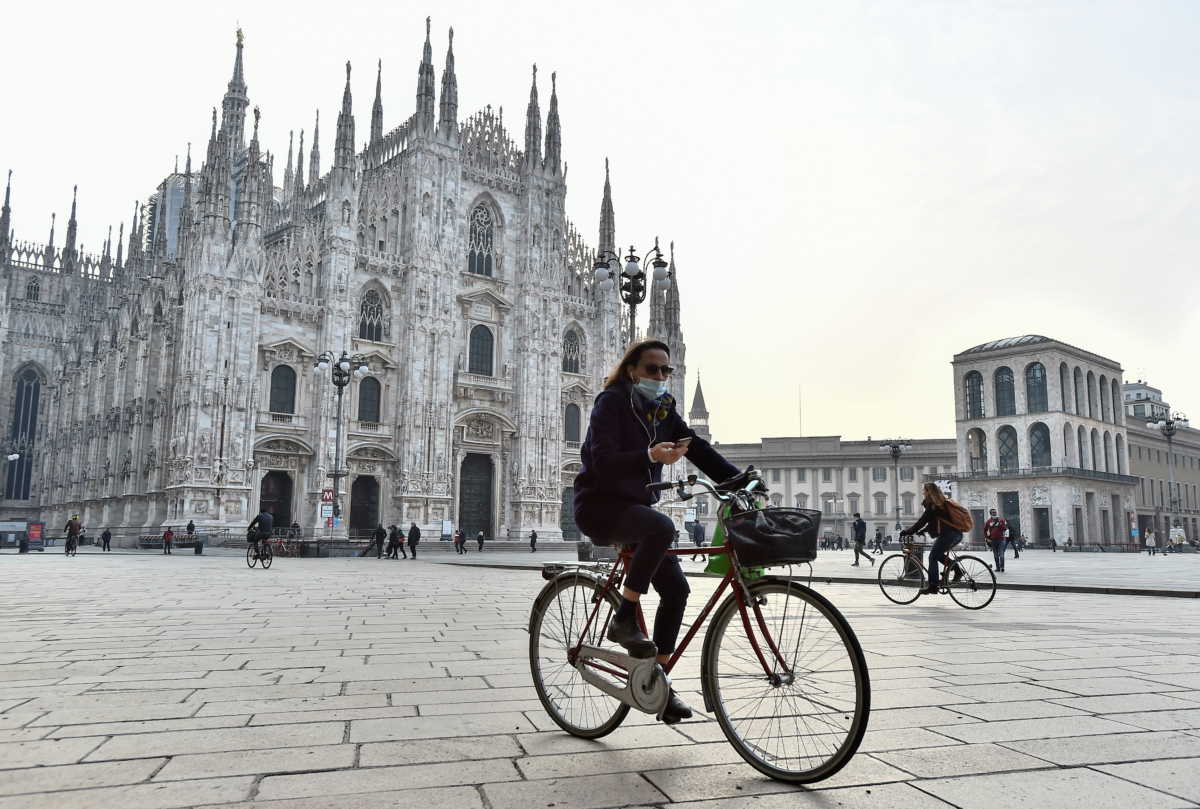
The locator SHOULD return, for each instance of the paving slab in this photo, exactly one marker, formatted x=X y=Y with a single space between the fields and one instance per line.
x=1060 y=789
x=1144 y=746
x=377 y=779
x=584 y=792
x=1179 y=777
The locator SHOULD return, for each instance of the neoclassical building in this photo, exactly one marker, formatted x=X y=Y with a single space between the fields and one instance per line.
x=1041 y=438
x=172 y=377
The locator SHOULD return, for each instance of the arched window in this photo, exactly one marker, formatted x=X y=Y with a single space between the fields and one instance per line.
x=1006 y=442
x=571 y=423
x=973 y=394
x=1108 y=449
x=977 y=450
x=482 y=345
x=1120 y=455
x=370 y=317
x=33 y=290
x=158 y=313
x=369 y=394
x=1079 y=393
x=1116 y=401
x=1096 y=462
x=1082 y=445
x=1039 y=445
x=283 y=389
x=1091 y=395
x=880 y=503
x=802 y=501
x=570 y=352
x=23 y=432
x=1006 y=395
x=1068 y=456
x=1064 y=387
x=1104 y=398
x=479 y=244
x=1036 y=400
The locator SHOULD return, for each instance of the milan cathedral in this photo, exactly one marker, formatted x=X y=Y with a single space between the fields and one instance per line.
x=171 y=376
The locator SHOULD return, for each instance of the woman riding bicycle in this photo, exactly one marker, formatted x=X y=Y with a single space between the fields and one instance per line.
x=633 y=430
x=937 y=522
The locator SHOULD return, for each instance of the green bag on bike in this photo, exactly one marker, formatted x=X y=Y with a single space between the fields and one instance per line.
x=718 y=563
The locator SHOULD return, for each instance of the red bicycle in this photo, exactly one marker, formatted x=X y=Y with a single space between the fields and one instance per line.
x=781 y=668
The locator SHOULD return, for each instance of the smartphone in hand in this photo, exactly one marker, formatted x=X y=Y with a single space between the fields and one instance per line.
x=683 y=442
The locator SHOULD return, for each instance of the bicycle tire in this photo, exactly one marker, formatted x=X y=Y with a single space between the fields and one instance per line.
x=251 y=556
x=894 y=582
x=982 y=584
x=840 y=723
x=592 y=712
x=266 y=556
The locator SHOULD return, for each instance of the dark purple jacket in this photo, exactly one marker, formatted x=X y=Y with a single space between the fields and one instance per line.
x=615 y=464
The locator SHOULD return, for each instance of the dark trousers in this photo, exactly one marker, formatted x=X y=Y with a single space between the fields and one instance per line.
x=480 y=541
x=1016 y=550
x=937 y=554
x=858 y=551
x=106 y=541
x=998 y=553
x=412 y=547
x=533 y=545
x=651 y=533
x=166 y=546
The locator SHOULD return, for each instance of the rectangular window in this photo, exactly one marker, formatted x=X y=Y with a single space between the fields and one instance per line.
x=906 y=473
x=879 y=474
x=854 y=474
x=826 y=474
x=801 y=475
x=774 y=475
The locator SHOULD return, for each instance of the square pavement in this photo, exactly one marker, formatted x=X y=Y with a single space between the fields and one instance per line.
x=142 y=681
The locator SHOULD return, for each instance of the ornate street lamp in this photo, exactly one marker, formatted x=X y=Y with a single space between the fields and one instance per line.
x=341 y=370
x=1168 y=425
x=633 y=278
x=896 y=449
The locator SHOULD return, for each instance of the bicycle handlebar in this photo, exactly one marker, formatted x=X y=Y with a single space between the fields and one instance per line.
x=754 y=484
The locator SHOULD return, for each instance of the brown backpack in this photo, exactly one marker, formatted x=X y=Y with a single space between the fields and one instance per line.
x=958 y=517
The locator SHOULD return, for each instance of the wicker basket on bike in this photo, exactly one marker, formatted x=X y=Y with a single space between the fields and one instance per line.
x=774 y=536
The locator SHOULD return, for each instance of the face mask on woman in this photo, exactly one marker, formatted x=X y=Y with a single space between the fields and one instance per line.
x=651 y=388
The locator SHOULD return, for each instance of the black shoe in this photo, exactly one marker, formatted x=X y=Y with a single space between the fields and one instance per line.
x=929 y=591
x=676 y=711
x=626 y=633
x=855 y=564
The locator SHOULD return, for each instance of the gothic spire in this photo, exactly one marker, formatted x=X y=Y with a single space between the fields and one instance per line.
x=72 y=230
x=6 y=217
x=343 y=150
x=299 y=178
x=377 y=107
x=48 y=255
x=533 y=127
x=106 y=255
x=608 y=227
x=699 y=409
x=448 y=122
x=287 y=167
x=233 y=106
x=120 y=247
x=553 y=131
x=425 y=86
x=314 y=159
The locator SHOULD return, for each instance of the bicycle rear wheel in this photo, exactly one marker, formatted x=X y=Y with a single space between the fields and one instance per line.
x=556 y=625
x=901 y=579
x=802 y=723
x=266 y=556
x=251 y=556
x=971 y=583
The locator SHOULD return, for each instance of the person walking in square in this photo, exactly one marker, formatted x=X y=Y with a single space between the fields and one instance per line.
x=1151 y=544
x=860 y=537
x=168 y=538
x=1011 y=537
x=878 y=547
x=377 y=538
x=993 y=532
x=106 y=539
x=191 y=531
x=460 y=541
x=414 y=538
x=533 y=541
x=393 y=542
x=479 y=539
x=698 y=538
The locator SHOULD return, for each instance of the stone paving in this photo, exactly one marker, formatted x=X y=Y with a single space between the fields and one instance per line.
x=140 y=681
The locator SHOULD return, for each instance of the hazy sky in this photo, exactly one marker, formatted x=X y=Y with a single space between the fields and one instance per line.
x=856 y=190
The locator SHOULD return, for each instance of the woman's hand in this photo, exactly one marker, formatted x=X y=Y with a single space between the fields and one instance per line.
x=667 y=452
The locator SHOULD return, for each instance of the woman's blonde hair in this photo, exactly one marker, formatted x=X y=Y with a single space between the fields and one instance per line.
x=934 y=495
x=631 y=360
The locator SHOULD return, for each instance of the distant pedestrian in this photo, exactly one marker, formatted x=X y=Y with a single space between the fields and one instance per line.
x=479 y=539
x=377 y=538
x=73 y=529
x=168 y=538
x=393 y=546
x=414 y=538
x=294 y=531
x=993 y=532
x=878 y=548
x=533 y=541
x=1054 y=544
x=1151 y=544
x=698 y=539
x=106 y=538
x=460 y=541
x=860 y=537
x=191 y=531
x=1011 y=537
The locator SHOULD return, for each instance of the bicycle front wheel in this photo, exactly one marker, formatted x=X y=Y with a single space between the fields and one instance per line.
x=556 y=625
x=801 y=722
x=266 y=556
x=251 y=556
x=901 y=579
x=971 y=583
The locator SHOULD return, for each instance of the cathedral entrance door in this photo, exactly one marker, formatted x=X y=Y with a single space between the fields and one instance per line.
x=364 y=505
x=475 y=496
x=275 y=496
x=566 y=520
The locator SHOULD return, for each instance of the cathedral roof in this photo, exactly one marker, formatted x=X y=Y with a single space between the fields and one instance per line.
x=1009 y=342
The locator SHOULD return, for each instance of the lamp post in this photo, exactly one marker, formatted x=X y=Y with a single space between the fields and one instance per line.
x=342 y=369
x=1168 y=425
x=632 y=278
x=896 y=449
